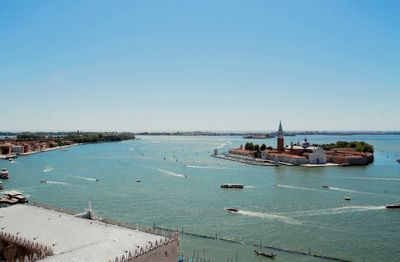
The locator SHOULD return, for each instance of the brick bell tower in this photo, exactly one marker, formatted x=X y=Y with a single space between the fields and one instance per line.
x=280 y=139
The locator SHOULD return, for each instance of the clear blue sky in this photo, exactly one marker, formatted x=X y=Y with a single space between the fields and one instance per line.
x=199 y=65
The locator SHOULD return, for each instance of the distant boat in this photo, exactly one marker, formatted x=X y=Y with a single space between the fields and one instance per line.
x=240 y=186
x=393 y=206
x=138 y=180
x=4 y=173
x=232 y=210
x=325 y=186
x=265 y=254
x=43 y=181
x=1 y=186
x=398 y=160
x=347 y=198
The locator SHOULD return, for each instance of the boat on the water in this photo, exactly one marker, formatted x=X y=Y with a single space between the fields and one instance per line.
x=4 y=173
x=138 y=180
x=325 y=186
x=232 y=210
x=398 y=160
x=240 y=186
x=1 y=186
x=13 y=197
x=265 y=254
x=393 y=206
x=347 y=198
x=43 y=181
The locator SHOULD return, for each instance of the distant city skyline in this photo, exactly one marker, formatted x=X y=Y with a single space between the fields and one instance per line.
x=207 y=66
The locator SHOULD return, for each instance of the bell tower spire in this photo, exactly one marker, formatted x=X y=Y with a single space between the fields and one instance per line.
x=280 y=139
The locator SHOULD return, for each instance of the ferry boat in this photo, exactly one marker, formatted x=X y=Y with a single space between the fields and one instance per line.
x=240 y=186
x=4 y=173
x=13 y=197
x=393 y=206
x=265 y=254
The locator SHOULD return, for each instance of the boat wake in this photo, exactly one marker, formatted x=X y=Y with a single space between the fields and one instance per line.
x=151 y=142
x=372 y=178
x=57 y=183
x=47 y=169
x=300 y=188
x=335 y=211
x=170 y=173
x=250 y=187
x=270 y=216
x=204 y=167
x=347 y=190
x=86 y=178
x=224 y=145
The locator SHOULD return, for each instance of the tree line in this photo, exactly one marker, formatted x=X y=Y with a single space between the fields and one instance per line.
x=76 y=137
x=359 y=146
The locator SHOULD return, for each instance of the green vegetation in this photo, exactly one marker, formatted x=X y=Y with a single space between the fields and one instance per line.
x=359 y=146
x=75 y=137
x=254 y=147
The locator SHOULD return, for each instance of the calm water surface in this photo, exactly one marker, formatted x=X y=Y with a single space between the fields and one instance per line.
x=284 y=207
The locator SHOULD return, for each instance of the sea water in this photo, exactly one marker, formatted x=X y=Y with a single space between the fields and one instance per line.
x=284 y=207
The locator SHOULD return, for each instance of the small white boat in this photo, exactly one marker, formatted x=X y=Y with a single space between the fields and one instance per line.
x=138 y=180
x=4 y=173
x=347 y=198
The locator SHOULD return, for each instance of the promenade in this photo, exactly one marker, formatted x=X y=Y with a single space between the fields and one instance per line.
x=37 y=151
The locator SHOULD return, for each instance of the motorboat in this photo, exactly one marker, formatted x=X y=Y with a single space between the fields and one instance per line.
x=347 y=198
x=138 y=180
x=43 y=181
x=393 y=206
x=1 y=186
x=265 y=254
x=325 y=186
x=4 y=173
x=232 y=210
x=239 y=186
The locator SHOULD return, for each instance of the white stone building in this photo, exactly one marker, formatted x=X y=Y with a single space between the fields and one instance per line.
x=31 y=233
x=318 y=156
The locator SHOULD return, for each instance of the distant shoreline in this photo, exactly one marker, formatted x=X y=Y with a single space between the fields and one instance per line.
x=271 y=134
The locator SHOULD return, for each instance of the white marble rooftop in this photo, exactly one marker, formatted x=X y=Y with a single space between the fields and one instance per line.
x=72 y=238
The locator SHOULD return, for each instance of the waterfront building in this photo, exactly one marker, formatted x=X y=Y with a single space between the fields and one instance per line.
x=5 y=149
x=318 y=156
x=31 y=233
x=17 y=149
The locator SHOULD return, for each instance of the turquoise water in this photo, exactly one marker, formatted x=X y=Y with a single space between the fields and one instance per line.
x=283 y=207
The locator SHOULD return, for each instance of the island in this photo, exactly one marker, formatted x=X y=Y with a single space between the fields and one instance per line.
x=341 y=153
